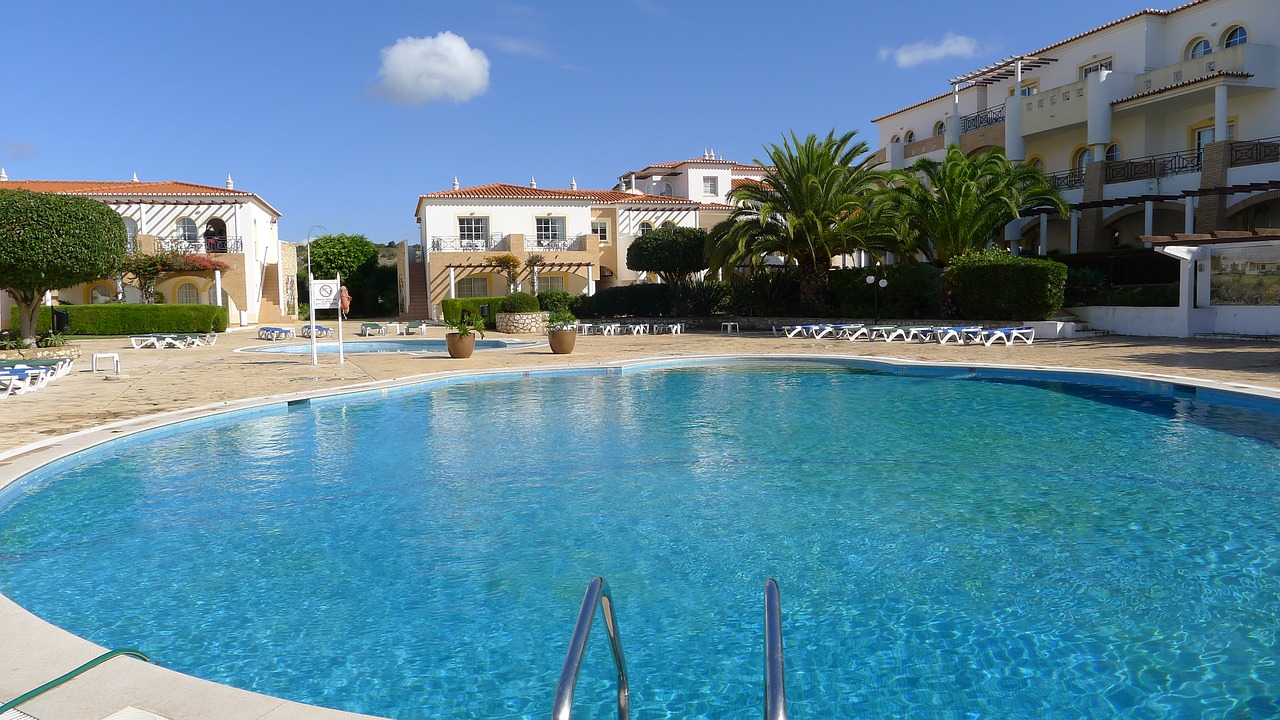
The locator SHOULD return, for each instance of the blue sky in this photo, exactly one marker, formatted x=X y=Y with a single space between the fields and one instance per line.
x=341 y=114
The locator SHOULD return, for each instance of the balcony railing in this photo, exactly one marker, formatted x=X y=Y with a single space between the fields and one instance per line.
x=1255 y=152
x=1066 y=180
x=981 y=119
x=468 y=243
x=1153 y=166
x=532 y=242
x=183 y=244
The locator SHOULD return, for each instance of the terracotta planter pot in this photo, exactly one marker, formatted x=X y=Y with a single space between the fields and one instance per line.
x=460 y=346
x=562 y=341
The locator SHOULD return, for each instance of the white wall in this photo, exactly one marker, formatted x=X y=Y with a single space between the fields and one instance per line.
x=508 y=217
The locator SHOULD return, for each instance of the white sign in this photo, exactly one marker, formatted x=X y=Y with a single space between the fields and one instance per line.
x=325 y=295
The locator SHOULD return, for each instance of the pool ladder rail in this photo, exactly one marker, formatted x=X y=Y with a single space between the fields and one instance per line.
x=775 y=694
x=6 y=707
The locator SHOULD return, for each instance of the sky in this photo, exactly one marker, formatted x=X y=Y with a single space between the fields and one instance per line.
x=340 y=114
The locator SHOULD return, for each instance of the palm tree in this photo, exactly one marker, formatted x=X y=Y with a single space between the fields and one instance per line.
x=953 y=207
x=813 y=203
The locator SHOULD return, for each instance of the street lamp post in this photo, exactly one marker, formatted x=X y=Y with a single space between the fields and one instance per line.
x=877 y=283
x=311 y=305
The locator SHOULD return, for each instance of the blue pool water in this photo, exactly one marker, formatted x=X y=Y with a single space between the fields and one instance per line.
x=358 y=347
x=946 y=548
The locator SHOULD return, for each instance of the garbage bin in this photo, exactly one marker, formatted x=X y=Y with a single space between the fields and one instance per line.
x=61 y=321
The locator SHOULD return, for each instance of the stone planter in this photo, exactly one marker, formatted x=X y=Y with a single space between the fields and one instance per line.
x=460 y=346
x=66 y=351
x=562 y=341
x=531 y=323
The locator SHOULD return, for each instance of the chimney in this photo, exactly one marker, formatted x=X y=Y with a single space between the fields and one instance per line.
x=4 y=177
x=573 y=183
x=135 y=177
x=533 y=183
x=455 y=182
x=231 y=184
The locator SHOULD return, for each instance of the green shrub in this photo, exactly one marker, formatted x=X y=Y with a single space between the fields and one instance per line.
x=554 y=300
x=520 y=302
x=704 y=298
x=130 y=319
x=765 y=293
x=995 y=285
x=583 y=306
x=914 y=291
x=453 y=308
x=635 y=300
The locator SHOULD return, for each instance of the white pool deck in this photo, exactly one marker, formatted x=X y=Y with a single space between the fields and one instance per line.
x=159 y=387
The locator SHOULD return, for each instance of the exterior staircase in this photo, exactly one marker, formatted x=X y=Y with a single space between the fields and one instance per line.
x=419 y=303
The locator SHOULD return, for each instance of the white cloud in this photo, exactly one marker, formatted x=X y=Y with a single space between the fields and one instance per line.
x=951 y=45
x=21 y=150
x=416 y=71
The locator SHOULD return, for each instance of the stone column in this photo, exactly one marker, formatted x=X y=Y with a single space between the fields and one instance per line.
x=1092 y=237
x=1214 y=162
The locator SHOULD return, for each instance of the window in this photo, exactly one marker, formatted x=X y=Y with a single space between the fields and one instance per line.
x=940 y=128
x=1030 y=88
x=1083 y=158
x=1104 y=64
x=665 y=189
x=188 y=294
x=550 y=283
x=1036 y=163
x=548 y=230
x=1236 y=36
x=600 y=228
x=1199 y=48
x=667 y=224
x=895 y=139
x=1113 y=152
x=131 y=228
x=473 y=232
x=101 y=294
x=1205 y=135
x=710 y=185
x=471 y=287
x=645 y=227
x=186 y=229
x=910 y=137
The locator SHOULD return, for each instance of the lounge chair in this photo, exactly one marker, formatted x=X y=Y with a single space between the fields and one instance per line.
x=411 y=328
x=371 y=328
x=274 y=333
x=963 y=335
x=880 y=331
x=1026 y=333
x=319 y=331
x=910 y=332
x=27 y=379
x=856 y=332
x=147 y=341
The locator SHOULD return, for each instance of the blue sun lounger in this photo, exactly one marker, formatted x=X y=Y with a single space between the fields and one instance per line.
x=1025 y=333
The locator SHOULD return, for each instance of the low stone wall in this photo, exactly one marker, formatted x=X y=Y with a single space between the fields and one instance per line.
x=521 y=323
x=66 y=351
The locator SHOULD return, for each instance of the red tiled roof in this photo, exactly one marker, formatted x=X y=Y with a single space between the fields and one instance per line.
x=1059 y=44
x=126 y=188
x=505 y=191
x=744 y=181
x=1184 y=83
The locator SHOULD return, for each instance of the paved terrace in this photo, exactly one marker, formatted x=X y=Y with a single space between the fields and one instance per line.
x=154 y=381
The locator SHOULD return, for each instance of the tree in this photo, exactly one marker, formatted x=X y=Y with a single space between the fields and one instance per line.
x=813 y=203
x=672 y=253
x=508 y=265
x=147 y=270
x=52 y=241
x=331 y=255
x=955 y=206
x=533 y=266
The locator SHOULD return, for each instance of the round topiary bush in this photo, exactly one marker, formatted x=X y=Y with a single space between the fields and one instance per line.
x=520 y=302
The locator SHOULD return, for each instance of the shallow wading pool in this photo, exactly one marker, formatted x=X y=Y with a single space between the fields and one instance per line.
x=947 y=547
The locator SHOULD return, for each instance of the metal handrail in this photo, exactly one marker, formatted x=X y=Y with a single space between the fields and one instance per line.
x=69 y=676
x=597 y=594
x=981 y=119
x=775 y=690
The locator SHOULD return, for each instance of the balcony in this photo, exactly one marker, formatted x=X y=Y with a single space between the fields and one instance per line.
x=1153 y=166
x=1255 y=152
x=1066 y=180
x=1055 y=108
x=469 y=243
x=187 y=245
x=564 y=244
x=981 y=119
x=1258 y=60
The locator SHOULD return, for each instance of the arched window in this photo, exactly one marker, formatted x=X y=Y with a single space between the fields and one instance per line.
x=1199 y=48
x=1113 y=152
x=130 y=228
x=1036 y=163
x=186 y=229
x=100 y=294
x=910 y=137
x=895 y=139
x=665 y=189
x=667 y=224
x=188 y=294
x=645 y=227
x=940 y=128
x=1236 y=36
x=1083 y=158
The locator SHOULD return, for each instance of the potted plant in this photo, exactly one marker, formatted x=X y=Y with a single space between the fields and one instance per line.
x=460 y=341
x=562 y=332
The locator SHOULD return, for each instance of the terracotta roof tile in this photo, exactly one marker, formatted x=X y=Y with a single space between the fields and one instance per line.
x=1184 y=83
x=505 y=191
x=125 y=188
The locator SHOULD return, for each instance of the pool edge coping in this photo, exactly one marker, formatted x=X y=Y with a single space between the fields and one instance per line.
x=25 y=459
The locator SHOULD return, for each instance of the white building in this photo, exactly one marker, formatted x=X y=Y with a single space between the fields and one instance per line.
x=237 y=227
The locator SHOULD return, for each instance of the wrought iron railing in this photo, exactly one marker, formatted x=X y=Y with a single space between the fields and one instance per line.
x=1255 y=152
x=1066 y=180
x=981 y=119
x=533 y=242
x=1153 y=166
x=184 y=244
x=468 y=243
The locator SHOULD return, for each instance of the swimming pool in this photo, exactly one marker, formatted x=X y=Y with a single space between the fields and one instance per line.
x=947 y=547
x=360 y=347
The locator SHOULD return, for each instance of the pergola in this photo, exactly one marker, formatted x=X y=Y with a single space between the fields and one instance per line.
x=570 y=267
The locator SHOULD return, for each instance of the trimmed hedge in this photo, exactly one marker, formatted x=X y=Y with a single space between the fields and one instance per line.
x=995 y=285
x=554 y=300
x=914 y=291
x=520 y=302
x=131 y=319
x=635 y=300
x=452 y=309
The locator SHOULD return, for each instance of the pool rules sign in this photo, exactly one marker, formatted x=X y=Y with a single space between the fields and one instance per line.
x=325 y=294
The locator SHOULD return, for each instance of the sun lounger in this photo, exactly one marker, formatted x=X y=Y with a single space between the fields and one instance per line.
x=963 y=335
x=1025 y=333
x=609 y=328
x=275 y=333
x=674 y=328
x=367 y=329
x=140 y=342
x=412 y=327
x=320 y=331
x=27 y=379
x=909 y=332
